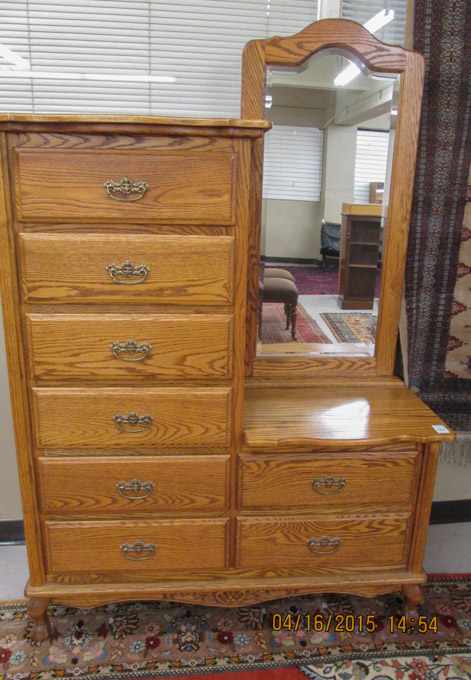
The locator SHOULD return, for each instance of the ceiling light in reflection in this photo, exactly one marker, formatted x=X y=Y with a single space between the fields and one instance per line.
x=372 y=25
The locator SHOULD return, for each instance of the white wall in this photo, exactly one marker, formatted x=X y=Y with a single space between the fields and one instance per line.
x=292 y=229
x=453 y=482
x=10 y=502
x=339 y=169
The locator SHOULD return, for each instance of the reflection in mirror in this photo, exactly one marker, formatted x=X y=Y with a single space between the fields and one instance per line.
x=327 y=168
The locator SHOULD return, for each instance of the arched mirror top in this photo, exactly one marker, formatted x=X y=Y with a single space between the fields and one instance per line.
x=295 y=54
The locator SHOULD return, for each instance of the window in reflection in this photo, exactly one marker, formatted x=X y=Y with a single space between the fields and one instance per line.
x=326 y=187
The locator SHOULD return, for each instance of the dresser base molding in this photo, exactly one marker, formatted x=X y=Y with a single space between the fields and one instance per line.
x=227 y=593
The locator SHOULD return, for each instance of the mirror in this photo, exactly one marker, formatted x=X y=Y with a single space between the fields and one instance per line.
x=327 y=172
x=285 y=63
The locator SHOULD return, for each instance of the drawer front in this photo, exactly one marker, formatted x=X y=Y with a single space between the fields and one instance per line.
x=131 y=417
x=104 y=486
x=323 y=545
x=163 y=547
x=125 y=347
x=301 y=481
x=123 y=268
x=175 y=187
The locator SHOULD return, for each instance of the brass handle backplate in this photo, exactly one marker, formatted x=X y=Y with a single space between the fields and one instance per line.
x=129 y=348
x=124 y=188
x=144 y=551
x=328 y=486
x=323 y=545
x=133 y=419
x=134 y=487
x=127 y=270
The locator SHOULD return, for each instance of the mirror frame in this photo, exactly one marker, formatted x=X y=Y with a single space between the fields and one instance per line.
x=338 y=36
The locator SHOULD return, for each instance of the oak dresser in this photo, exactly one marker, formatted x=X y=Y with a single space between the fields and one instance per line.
x=129 y=258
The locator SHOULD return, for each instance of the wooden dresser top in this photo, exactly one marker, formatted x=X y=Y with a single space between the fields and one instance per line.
x=331 y=415
x=7 y=119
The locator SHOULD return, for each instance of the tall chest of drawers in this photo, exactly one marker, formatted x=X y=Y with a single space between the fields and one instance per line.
x=124 y=266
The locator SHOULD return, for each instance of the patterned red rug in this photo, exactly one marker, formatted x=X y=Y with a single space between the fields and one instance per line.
x=274 y=325
x=328 y=637
x=317 y=281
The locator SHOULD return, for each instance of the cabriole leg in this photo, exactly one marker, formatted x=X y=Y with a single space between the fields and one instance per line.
x=414 y=596
x=37 y=610
x=293 y=314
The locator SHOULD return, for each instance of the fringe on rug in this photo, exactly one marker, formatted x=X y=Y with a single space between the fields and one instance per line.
x=457 y=452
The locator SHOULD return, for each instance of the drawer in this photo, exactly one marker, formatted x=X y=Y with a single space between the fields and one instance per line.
x=128 y=346
x=163 y=547
x=326 y=480
x=175 y=187
x=127 y=268
x=129 y=417
x=323 y=545
x=107 y=486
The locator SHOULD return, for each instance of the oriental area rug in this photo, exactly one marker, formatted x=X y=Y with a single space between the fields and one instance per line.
x=318 y=636
x=274 y=326
x=352 y=326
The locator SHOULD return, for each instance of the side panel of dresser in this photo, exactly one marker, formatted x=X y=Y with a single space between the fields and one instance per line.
x=18 y=376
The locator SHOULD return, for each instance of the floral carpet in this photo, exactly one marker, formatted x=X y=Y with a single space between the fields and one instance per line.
x=321 y=636
x=352 y=326
x=274 y=325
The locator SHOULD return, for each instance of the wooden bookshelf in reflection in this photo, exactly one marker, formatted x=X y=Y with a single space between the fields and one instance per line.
x=359 y=254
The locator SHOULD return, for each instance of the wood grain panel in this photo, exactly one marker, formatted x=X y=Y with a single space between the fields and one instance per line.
x=94 y=547
x=63 y=140
x=68 y=185
x=72 y=268
x=83 y=418
x=236 y=590
x=366 y=542
x=89 y=487
x=73 y=346
x=328 y=416
x=274 y=482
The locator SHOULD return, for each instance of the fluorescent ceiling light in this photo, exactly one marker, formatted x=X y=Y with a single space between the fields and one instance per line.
x=379 y=20
x=347 y=75
x=54 y=75
x=372 y=25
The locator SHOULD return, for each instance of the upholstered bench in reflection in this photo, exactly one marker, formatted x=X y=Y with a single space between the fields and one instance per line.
x=284 y=291
x=275 y=273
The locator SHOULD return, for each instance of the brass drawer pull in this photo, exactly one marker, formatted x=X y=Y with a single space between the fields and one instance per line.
x=135 y=486
x=128 y=269
x=323 y=545
x=129 y=348
x=125 y=187
x=138 y=548
x=328 y=486
x=132 y=419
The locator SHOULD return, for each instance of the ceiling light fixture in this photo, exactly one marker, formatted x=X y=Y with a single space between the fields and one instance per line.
x=372 y=25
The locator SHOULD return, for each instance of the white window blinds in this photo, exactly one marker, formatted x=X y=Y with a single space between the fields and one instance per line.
x=106 y=56
x=370 y=162
x=293 y=163
x=394 y=32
